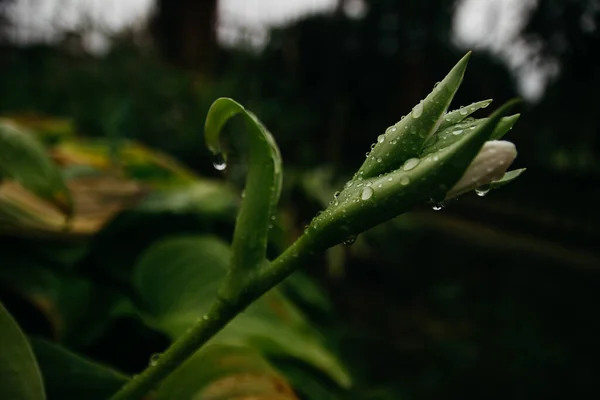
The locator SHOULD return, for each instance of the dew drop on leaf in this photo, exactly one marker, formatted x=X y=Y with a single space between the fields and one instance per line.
x=410 y=164
x=405 y=180
x=381 y=138
x=463 y=111
x=219 y=163
x=418 y=110
x=457 y=132
x=367 y=193
x=482 y=191
x=437 y=206
x=154 y=359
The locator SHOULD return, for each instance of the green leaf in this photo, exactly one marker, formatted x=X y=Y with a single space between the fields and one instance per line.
x=70 y=376
x=205 y=197
x=24 y=160
x=456 y=116
x=367 y=203
x=177 y=280
x=507 y=178
x=77 y=309
x=221 y=372
x=20 y=376
x=405 y=139
x=263 y=183
x=455 y=133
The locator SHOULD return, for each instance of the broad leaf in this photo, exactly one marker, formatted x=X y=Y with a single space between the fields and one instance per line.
x=23 y=159
x=263 y=182
x=70 y=376
x=20 y=378
x=77 y=309
x=177 y=281
x=221 y=372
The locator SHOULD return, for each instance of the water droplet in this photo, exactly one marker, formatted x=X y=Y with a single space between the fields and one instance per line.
x=350 y=240
x=435 y=158
x=405 y=180
x=154 y=359
x=483 y=190
x=381 y=138
x=372 y=146
x=485 y=105
x=435 y=87
x=472 y=128
x=457 y=132
x=418 y=110
x=368 y=184
x=348 y=184
x=367 y=154
x=380 y=185
x=410 y=164
x=448 y=120
x=366 y=193
x=463 y=111
x=379 y=159
x=336 y=194
x=219 y=163
x=437 y=206
x=390 y=179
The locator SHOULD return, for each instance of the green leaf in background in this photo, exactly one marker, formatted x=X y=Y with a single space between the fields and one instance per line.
x=135 y=161
x=177 y=280
x=222 y=372
x=23 y=159
x=263 y=182
x=70 y=376
x=77 y=309
x=206 y=197
x=20 y=377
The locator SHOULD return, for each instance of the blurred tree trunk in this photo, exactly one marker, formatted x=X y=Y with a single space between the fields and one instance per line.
x=185 y=33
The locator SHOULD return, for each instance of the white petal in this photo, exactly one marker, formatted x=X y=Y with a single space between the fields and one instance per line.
x=489 y=165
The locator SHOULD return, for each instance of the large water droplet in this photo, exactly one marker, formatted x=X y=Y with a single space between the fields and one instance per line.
x=219 y=163
x=154 y=359
x=410 y=164
x=457 y=132
x=381 y=138
x=418 y=110
x=367 y=193
x=463 y=111
x=482 y=190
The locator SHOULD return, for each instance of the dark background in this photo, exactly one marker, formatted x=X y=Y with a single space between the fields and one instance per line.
x=490 y=298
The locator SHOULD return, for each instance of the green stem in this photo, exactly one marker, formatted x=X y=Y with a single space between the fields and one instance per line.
x=222 y=312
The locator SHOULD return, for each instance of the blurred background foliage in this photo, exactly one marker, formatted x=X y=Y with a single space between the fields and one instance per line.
x=490 y=298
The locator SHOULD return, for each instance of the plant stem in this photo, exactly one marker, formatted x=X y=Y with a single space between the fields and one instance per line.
x=222 y=312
